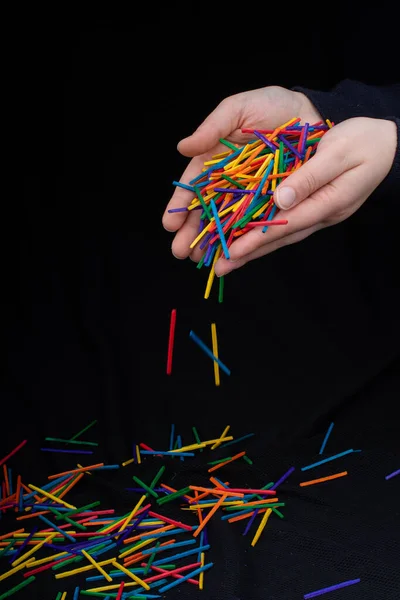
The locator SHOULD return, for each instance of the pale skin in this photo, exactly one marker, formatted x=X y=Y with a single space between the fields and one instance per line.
x=352 y=159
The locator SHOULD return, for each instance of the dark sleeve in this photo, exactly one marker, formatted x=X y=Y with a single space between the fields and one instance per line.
x=355 y=99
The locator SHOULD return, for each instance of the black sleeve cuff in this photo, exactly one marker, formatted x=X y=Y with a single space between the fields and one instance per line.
x=353 y=99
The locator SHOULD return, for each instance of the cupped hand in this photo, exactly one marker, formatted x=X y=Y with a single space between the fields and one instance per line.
x=351 y=160
x=264 y=108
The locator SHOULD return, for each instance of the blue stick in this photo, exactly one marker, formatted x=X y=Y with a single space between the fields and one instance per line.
x=321 y=462
x=208 y=352
x=186 y=577
x=328 y=433
x=219 y=228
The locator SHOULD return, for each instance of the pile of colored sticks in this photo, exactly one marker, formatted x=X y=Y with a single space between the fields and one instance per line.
x=144 y=552
x=235 y=190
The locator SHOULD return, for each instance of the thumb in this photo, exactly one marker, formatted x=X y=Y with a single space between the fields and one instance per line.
x=321 y=169
x=219 y=124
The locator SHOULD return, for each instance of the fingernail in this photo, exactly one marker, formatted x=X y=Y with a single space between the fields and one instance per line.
x=286 y=197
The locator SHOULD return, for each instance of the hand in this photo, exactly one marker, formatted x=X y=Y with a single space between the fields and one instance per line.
x=258 y=109
x=352 y=159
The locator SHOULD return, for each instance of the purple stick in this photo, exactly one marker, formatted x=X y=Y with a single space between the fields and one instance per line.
x=305 y=134
x=284 y=477
x=205 y=537
x=331 y=589
x=141 y=490
x=250 y=523
x=67 y=451
x=267 y=142
x=183 y=209
x=234 y=191
x=23 y=545
x=392 y=475
x=289 y=145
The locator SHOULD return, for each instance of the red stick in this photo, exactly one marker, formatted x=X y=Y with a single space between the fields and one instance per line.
x=5 y=459
x=44 y=567
x=170 y=521
x=174 y=573
x=273 y=222
x=120 y=590
x=171 y=341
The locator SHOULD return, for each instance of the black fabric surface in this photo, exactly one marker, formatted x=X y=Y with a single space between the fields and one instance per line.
x=310 y=333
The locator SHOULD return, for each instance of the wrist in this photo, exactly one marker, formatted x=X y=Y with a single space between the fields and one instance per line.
x=306 y=109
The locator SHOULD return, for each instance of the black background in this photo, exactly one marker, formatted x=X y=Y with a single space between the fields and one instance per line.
x=311 y=333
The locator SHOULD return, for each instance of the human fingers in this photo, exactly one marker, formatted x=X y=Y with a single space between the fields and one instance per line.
x=315 y=175
x=223 y=120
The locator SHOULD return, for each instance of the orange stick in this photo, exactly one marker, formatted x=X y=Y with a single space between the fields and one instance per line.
x=217 y=483
x=81 y=470
x=30 y=492
x=209 y=515
x=199 y=513
x=129 y=560
x=322 y=479
x=32 y=515
x=214 y=491
x=11 y=533
x=241 y=517
x=257 y=502
x=215 y=467
x=71 y=485
x=138 y=537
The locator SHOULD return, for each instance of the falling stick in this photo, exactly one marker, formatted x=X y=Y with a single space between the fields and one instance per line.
x=215 y=352
x=328 y=433
x=198 y=341
x=5 y=459
x=171 y=340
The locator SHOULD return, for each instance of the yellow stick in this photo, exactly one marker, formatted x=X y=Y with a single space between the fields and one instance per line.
x=15 y=570
x=23 y=557
x=42 y=561
x=219 y=442
x=97 y=566
x=215 y=352
x=52 y=497
x=141 y=545
x=138 y=505
x=131 y=575
x=83 y=569
x=128 y=462
x=212 y=273
x=201 y=576
x=64 y=596
x=261 y=526
x=192 y=447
